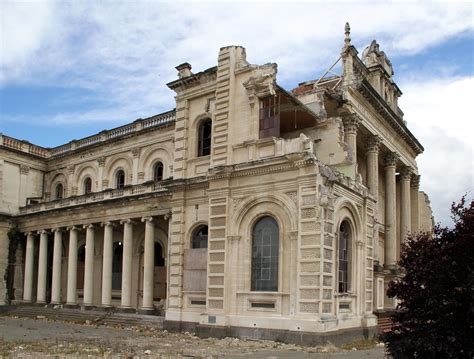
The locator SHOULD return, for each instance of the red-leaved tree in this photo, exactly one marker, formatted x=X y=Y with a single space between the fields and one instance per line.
x=435 y=316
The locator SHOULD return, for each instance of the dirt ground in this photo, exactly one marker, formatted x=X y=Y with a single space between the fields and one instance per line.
x=39 y=338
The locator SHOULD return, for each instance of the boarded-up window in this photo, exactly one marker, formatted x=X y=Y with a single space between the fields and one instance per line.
x=269 y=125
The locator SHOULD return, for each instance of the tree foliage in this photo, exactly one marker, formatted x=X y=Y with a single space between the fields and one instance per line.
x=435 y=316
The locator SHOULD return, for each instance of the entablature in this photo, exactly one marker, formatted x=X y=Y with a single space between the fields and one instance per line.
x=145 y=189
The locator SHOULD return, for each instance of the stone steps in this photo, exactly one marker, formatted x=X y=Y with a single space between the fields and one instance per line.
x=81 y=316
x=384 y=324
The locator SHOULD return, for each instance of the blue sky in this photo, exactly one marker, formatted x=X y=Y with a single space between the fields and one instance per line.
x=71 y=69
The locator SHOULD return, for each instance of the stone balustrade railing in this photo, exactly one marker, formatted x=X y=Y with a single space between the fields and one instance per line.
x=138 y=125
x=149 y=187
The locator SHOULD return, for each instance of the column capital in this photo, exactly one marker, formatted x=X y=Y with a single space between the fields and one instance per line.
x=30 y=233
x=58 y=229
x=127 y=221
x=43 y=231
x=108 y=224
x=73 y=228
x=390 y=159
x=415 y=181
x=24 y=169
x=373 y=143
x=406 y=173
x=136 y=151
x=148 y=219
x=88 y=226
x=351 y=123
x=168 y=216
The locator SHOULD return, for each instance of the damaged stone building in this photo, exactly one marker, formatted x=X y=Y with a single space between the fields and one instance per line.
x=247 y=209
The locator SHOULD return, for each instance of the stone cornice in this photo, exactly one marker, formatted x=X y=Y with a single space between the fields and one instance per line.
x=137 y=127
x=193 y=80
x=387 y=113
x=260 y=167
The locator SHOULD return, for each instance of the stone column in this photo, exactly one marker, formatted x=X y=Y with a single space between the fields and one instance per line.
x=148 y=264
x=390 y=210
x=351 y=124
x=415 y=204
x=405 y=203
x=42 y=267
x=72 y=267
x=107 y=264
x=372 y=154
x=127 y=263
x=29 y=263
x=57 y=263
x=89 y=266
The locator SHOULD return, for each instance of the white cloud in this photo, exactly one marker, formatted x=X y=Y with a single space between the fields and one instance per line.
x=438 y=115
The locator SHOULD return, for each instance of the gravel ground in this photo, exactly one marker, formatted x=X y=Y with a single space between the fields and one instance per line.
x=39 y=338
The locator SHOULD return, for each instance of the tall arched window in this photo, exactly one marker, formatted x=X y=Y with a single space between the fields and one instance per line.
x=204 y=138
x=59 y=191
x=344 y=256
x=199 y=239
x=87 y=185
x=265 y=255
x=120 y=179
x=158 y=172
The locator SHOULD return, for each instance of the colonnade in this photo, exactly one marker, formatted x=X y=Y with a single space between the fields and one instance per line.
x=409 y=183
x=407 y=180
x=106 y=295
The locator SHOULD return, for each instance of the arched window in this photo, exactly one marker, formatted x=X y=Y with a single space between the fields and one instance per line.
x=120 y=179
x=204 y=140
x=265 y=255
x=59 y=191
x=158 y=172
x=344 y=256
x=199 y=239
x=87 y=185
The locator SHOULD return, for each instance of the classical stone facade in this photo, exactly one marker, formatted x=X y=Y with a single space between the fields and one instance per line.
x=247 y=207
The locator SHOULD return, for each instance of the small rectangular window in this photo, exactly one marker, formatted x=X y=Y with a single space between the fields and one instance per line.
x=263 y=305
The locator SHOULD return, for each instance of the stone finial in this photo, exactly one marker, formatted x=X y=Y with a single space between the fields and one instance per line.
x=347 y=33
x=184 y=70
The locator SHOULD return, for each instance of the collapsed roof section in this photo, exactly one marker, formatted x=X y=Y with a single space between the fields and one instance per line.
x=283 y=113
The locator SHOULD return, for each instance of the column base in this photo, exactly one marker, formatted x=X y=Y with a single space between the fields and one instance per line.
x=71 y=306
x=89 y=307
x=391 y=269
x=126 y=310
x=147 y=311
x=106 y=308
x=39 y=304
x=25 y=302
x=54 y=305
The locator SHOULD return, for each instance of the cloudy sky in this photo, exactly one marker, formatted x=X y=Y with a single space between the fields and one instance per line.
x=71 y=69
